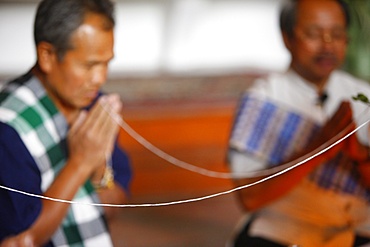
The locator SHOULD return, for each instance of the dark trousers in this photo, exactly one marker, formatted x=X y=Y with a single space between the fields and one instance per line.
x=244 y=240
x=359 y=241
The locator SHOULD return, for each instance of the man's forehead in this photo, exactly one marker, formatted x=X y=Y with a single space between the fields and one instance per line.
x=323 y=12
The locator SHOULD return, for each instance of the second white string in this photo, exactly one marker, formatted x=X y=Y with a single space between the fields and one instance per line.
x=188 y=200
x=223 y=175
x=184 y=165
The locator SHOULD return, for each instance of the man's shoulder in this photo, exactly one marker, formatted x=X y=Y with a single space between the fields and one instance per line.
x=275 y=82
x=343 y=76
x=8 y=88
x=272 y=78
x=274 y=75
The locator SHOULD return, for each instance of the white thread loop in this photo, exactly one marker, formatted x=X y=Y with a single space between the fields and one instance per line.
x=226 y=175
x=188 y=200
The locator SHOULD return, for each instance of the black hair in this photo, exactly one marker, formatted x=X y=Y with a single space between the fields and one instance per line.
x=288 y=15
x=56 y=20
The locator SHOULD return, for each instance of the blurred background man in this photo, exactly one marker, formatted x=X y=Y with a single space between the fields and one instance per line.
x=287 y=116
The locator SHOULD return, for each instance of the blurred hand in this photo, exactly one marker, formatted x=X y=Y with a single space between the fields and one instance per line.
x=91 y=137
x=22 y=240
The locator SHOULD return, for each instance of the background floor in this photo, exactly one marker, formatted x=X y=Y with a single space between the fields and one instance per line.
x=207 y=223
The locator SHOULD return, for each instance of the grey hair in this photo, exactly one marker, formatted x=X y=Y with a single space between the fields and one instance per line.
x=56 y=20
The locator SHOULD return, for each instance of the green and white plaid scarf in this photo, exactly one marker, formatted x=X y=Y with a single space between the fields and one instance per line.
x=25 y=106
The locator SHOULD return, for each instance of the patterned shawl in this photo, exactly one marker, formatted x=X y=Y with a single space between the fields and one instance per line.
x=25 y=106
x=272 y=132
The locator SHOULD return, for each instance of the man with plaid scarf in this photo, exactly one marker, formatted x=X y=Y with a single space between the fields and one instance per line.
x=58 y=137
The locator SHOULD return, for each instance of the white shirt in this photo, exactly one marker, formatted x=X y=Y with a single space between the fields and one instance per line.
x=328 y=217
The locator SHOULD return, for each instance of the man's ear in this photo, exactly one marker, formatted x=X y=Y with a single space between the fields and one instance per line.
x=46 y=56
x=287 y=40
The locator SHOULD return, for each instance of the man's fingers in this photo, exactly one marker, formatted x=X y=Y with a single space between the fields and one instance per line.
x=114 y=103
x=78 y=122
x=94 y=132
x=100 y=122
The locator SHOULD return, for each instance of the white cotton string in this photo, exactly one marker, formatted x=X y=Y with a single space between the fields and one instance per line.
x=134 y=205
x=185 y=166
x=188 y=200
x=225 y=175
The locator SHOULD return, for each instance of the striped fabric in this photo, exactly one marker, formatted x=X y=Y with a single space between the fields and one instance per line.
x=340 y=175
x=272 y=133
x=25 y=106
x=268 y=131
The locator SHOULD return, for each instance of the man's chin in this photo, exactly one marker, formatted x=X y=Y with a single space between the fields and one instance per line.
x=87 y=103
x=324 y=71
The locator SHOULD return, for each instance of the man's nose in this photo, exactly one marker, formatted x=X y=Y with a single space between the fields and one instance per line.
x=328 y=42
x=327 y=38
x=99 y=75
